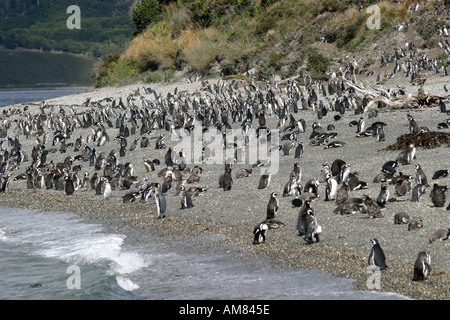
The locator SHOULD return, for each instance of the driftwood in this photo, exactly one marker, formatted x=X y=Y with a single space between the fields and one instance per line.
x=420 y=100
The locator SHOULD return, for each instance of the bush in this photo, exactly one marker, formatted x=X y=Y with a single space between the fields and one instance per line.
x=144 y=13
x=317 y=63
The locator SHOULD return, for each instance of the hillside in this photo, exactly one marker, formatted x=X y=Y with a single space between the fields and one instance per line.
x=267 y=39
x=41 y=24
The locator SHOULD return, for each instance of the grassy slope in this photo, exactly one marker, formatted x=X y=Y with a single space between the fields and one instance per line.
x=24 y=68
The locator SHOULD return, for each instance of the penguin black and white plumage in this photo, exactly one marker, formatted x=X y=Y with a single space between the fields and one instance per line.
x=407 y=155
x=272 y=206
x=312 y=229
x=440 y=174
x=413 y=127
x=417 y=192
x=331 y=188
x=160 y=201
x=292 y=188
x=243 y=173
x=380 y=134
x=344 y=173
x=264 y=181
x=376 y=256
x=298 y=150
x=334 y=144
x=69 y=186
x=186 y=198
x=260 y=231
x=107 y=190
x=401 y=218
x=437 y=196
x=421 y=178
x=168 y=158
x=383 y=196
x=372 y=207
x=361 y=125
x=422 y=266
x=439 y=235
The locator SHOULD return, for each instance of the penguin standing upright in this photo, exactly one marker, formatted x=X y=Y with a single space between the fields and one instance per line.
x=422 y=266
x=299 y=150
x=381 y=136
x=69 y=186
x=186 y=200
x=226 y=181
x=264 y=181
x=160 y=201
x=417 y=192
x=331 y=188
x=272 y=206
x=377 y=257
x=421 y=178
x=312 y=229
x=383 y=196
x=361 y=125
x=437 y=196
x=107 y=190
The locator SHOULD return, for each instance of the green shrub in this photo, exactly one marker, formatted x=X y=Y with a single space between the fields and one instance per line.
x=429 y=28
x=317 y=63
x=144 y=13
x=153 y=77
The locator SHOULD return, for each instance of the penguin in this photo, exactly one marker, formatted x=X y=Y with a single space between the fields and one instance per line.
x=149 y=165
x=272 y=206
x=401 y=218
x=413 y=127
x=407 y=155
x=168 y=158
x=380 y=134
x=297 y=172
x=107 y=190
x=389 y=167
x=312 y=229
x=287 y=146
x=403 y=187
x=301 y=220
x=372 y=207
x=361 y=125
x=342 y=193
x=334 y=144
x=226 y=181
x=260 y=231
x=440 y=174
x=376 y=256
x=337 y=166
x=440 y=235
x=264 y=181
x=415 y=223
x=331 y=188
x=344 y=174
x=298 y=150
x=417 y=192
x=243 y=173
x=160 y=202
x=437 y=196
x=292 y=188
x=383 y=196
x=186 y=200
x=422 y=266
x=69 y=187
x=421 y=178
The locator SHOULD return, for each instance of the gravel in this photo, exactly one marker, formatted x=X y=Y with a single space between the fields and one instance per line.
x=228 y=217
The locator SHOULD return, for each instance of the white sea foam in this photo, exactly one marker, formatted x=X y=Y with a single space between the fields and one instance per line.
x=126 y=283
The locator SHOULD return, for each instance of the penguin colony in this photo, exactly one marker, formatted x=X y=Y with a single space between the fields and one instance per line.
x=147 y=120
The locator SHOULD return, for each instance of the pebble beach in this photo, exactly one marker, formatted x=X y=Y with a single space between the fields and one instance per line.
x=230 y=216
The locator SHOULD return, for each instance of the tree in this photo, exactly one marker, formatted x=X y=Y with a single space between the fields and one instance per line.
x=144 y=13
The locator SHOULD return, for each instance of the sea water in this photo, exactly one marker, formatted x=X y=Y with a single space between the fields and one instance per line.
x=60 y=256
x=10 y=97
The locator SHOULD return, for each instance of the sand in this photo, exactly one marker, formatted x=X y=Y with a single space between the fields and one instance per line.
x=230 y=216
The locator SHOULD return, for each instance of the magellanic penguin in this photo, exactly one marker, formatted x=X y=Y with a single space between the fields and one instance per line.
x=299 y=150
x=272 y=206
x=440 y=174
x=260 y=231
x=415 y=223
x=376 y=256
x=413 y=127
x=342 y=193
x=292 y=188
x=440 y=235
x=383 y=196
x=107 y=190
x=225 y=180
x=417 y=192
x=186 y=198
x=422 y=266
x=264 y=181
x=437 y=196
x=331 y=188
x=312 y=229
x=421 y=178
x=401 y=218
x=69 y=186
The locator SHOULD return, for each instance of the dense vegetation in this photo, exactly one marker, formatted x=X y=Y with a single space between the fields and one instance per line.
x=106 y=26
x=234 y=36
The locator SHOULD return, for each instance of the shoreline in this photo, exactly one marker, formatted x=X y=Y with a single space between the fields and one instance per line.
x=231 y=216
